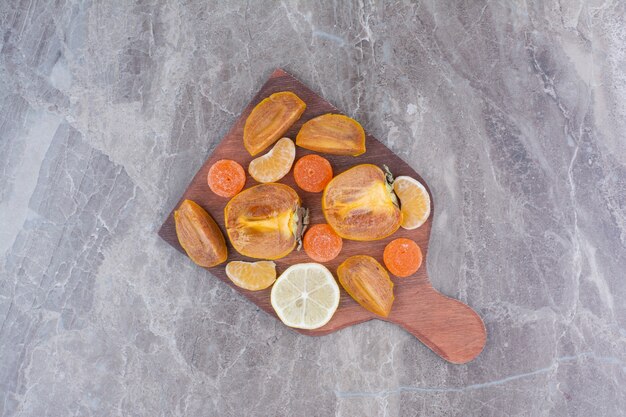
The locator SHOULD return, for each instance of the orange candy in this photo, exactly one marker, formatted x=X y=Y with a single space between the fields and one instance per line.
x=402 y=257
x=312 y=173
x=226 y=178
x=321 y=243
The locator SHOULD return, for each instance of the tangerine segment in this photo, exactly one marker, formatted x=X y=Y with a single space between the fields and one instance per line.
x=321 y=243
x=199 y=235
x=359 y=204
x=312 y=173
x=264 y=221
x=253 y=276
x=414 y=201
x=270 y=119
x=368 y=283
x=226 y=178
x=402 y=257
x=334 y=134
x=275 y=164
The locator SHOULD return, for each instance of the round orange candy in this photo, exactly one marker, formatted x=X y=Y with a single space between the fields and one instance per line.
x=402 y=257
x=312 y=173
x=321 y=243
x=226 y=178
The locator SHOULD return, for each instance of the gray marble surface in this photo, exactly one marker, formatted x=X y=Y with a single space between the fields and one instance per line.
x=514 y=113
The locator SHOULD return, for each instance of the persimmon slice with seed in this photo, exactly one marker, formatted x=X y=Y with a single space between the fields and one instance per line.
x=360 y=205
x=264 y=221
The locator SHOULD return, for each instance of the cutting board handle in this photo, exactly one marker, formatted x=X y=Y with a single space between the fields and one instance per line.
x=447 y=326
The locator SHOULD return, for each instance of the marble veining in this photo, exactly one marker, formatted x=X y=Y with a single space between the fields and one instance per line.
x=513 y=112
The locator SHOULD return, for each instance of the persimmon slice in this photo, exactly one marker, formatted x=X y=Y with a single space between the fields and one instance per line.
x=334 y=134
x=264 y=221
x=359 y=204
x=368 y=283
x=270 y=119
x=199 y=235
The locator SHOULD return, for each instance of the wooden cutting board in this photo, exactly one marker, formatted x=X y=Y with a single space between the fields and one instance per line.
x=448 y=327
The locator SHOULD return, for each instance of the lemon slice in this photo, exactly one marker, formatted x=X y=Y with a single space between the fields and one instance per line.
x=253 y=276
x=305 y=296
x=275 y=164
x=414 y=201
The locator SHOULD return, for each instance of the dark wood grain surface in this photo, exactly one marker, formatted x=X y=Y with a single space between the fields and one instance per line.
x=448 y=327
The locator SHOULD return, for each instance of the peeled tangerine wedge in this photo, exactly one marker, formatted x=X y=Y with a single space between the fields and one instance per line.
x=414 y=201
x=275 y=164
x=253 y=276
x=199 y=235
x=360 y=205
x=270 y=119
x=264 y=221
x=368 y=283
x=334 y=134
x=305 y=296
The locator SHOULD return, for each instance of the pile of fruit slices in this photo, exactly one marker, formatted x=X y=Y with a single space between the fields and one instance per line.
x=267 y=221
